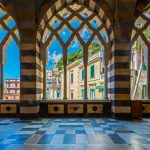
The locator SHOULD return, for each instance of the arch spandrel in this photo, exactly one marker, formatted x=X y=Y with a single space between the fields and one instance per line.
x=74 y=12
x=48 y=10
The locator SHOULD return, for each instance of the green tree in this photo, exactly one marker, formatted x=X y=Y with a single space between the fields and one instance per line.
x=94 y=48
x=75 y=56
x=59 y=65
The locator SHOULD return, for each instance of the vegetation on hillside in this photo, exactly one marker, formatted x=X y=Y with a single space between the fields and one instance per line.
x=93 y=49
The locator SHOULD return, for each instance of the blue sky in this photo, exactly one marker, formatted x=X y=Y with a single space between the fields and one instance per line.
x=55 y=49
x=12 y=66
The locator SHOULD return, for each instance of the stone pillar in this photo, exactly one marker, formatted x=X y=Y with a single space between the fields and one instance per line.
x=2 y=62
x=44 y=82
x=106 y=58
x=148 y=76
x=119 y=68
x=65 y=72
x=85 y=63
x=30 y=61
x=1 y=82
x=120 y=81
x=85 y=81
x=106 y=83
x=65 y=82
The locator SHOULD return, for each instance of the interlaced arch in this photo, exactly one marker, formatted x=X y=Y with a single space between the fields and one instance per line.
x=141 y=35
x=8 y=23
x=9 y=37
x=75 y=20
x=9 y=30
x=101 y=9
x=142 y=25
x=86 y=20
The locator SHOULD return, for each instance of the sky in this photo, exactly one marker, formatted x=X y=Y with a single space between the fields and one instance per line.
x=12 y=64
x=12 y=70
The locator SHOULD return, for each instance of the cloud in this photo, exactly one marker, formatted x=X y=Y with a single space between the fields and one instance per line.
x=64 y=33
x=84 y=32
x=54 y=56
x=74 y=43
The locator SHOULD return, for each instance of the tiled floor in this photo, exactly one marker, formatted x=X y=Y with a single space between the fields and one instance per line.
x=74 y=134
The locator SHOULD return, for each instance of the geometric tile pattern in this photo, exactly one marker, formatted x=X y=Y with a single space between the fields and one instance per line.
x=74 y=134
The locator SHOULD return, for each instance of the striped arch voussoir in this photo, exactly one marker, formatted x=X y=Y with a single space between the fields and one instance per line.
x=49 y=9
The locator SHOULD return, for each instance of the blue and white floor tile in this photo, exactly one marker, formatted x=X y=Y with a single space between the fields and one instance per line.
x=74 y=134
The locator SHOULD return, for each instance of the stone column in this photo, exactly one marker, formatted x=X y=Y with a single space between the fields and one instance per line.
x=44 y=82
x=119 y=68
x=65 y=82
x=85 y=63
x=85 y=81
x=65 y=73
x=2 y=62
x=106 y=83
x=1 y=82
x=148 y=76
x=30 y=61
x=106 y=58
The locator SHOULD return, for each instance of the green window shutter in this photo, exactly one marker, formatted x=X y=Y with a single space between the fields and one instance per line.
x=92 y=93
x=92 y=71
x=144 y=67
x=58 y=94
x=143 y=91
x=82 y=93
x=82 y=74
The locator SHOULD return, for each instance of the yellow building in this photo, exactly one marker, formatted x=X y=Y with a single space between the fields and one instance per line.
x=73 y=80
x=95 y=77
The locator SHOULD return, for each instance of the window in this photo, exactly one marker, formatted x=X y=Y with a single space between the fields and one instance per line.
x=92 y=71
x=92 y=93
x=82 y=93
x=72 y=38
x=82 y=74
x=71 y=95
x=58 y=94
x=72 y=77
x=143 y=91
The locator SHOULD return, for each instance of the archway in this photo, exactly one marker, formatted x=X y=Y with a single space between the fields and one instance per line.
x=140 y=57
x=72 y=22
x=9 y=52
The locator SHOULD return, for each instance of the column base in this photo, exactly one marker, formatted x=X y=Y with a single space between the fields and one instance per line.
x=29 y=116
x=122 y=116
x=29 y=109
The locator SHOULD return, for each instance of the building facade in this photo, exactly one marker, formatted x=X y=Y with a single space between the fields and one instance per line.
x=12 y=89
x=95 y=79
x=53 y=90
x=138 y=72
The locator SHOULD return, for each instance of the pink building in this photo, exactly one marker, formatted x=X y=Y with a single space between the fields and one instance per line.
x=12 y=89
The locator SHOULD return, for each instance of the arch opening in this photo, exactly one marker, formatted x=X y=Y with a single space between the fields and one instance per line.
x=140 y=57
x=9 y=52
x=81 y=35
